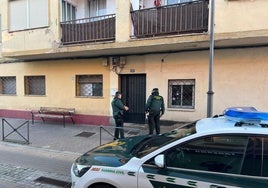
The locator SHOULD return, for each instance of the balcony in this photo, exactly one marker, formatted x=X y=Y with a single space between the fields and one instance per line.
x=171 y=20
x=94 y=29
x=183 y=18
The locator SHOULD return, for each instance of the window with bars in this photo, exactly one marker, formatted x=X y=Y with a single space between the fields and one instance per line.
x=35 y=85
x=8 y=85
x=181 y=93
x=89 y=85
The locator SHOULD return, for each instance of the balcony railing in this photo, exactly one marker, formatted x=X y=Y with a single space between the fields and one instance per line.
x=101 y=28
x=172 y=19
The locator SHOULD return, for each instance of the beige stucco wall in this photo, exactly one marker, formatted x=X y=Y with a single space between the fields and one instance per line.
x=163 y=67
x=239 y=79
x=60 y=85
x=37 y=40
x=238 y=16
x=239 y=74
x=123 y=21
x=230 y=17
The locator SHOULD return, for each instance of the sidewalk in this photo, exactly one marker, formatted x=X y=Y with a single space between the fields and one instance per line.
x=53 y=138
x=49 y=135
x=73 y=138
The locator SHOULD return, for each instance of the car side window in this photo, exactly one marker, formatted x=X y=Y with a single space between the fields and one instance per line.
x=253 y=157
x=256 y=157
x=218 y=153
x=265 y=158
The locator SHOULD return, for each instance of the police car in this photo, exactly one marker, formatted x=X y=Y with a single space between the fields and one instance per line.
x=230 y=150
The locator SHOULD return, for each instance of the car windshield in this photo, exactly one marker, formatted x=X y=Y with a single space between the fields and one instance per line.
x=152 y=143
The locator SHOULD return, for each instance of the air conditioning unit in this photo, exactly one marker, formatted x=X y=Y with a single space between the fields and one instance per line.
x=115 y=61
x=122 y=62
x=105 y=62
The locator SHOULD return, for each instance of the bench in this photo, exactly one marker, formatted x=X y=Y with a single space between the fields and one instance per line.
x=53 y=112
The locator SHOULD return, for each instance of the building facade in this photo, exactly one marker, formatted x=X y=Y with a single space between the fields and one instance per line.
x=78 y=53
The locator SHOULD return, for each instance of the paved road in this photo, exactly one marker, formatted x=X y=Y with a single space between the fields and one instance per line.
x=21 y=166
x=31 y=157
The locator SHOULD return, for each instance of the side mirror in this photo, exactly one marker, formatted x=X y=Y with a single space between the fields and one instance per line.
x=159 y=161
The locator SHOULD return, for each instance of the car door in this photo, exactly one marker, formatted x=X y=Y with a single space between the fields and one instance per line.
x=211 y=161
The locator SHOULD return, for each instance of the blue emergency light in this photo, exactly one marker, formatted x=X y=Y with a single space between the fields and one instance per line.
x=246 y=114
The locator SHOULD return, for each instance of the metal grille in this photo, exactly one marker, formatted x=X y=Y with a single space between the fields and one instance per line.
x=100 y=28
x=35 y=85
x=181 y=93
x=8 y=85
x=191 y=17
x=89 y=85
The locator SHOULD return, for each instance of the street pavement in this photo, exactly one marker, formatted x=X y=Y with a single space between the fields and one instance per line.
x=54 y=141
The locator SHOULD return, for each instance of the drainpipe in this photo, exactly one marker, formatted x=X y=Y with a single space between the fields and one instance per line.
x=211 y=62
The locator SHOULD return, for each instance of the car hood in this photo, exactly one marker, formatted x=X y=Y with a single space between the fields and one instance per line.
x=113 y=154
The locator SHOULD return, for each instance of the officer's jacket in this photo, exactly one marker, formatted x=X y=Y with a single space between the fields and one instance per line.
x=117 y=106
x=155 y=103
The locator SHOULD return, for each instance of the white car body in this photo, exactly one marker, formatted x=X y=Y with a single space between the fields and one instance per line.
x=137 y=172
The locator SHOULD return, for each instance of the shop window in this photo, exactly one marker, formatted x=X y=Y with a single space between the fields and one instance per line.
x=89 y=85
x=35 y=85
x=8 y=85
x=181 y=93
x=27 y=14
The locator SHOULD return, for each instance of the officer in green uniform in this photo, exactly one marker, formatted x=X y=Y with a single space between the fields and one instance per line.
x=118 y=111
x=156 y=108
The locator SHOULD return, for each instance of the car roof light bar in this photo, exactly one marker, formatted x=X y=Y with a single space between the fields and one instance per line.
x=248 y=115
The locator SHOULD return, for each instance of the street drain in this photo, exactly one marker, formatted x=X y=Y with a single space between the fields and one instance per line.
x=85 y=134
x=51 y=181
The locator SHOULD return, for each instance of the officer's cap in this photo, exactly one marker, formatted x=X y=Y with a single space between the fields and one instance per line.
x=155 y=90
x=118 y=93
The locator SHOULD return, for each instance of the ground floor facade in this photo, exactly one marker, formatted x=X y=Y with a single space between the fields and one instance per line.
x=88 y=85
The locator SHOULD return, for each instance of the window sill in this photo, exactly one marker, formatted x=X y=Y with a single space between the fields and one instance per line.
x=181 y=109
x=92 y=97
x=8 y=95
x=34 y=95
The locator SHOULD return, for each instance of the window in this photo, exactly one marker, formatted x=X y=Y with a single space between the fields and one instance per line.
x=181 y=93
x=8 y=85
x=35 y=85
x=89 y=85
x=265 y=158
x=27 y=14
x=68 y=11
x=97 y=8
x=171 y=2
x=222 y=153
x=256 y=157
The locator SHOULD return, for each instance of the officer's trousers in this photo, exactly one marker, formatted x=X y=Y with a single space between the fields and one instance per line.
x=119 y=123
x=153 y=121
